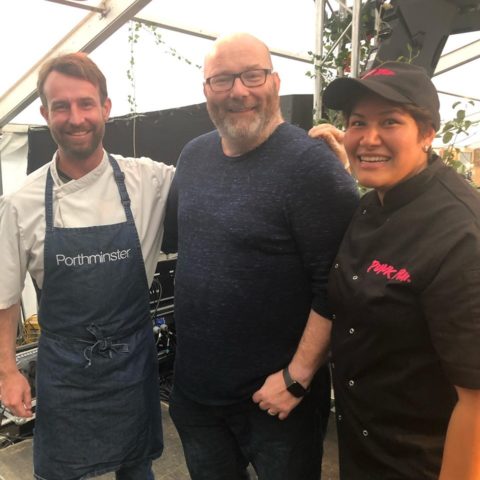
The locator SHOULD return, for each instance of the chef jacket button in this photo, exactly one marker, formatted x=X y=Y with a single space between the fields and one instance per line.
x=336 y=265
x=351 y=383
x=355 y=277
x=365 y=433
x=351 y=331
x=339 y=417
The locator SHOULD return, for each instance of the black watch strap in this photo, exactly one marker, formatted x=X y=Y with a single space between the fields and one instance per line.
x=295 y=388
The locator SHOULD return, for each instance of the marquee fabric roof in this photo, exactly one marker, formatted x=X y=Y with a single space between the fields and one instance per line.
x=163 y=77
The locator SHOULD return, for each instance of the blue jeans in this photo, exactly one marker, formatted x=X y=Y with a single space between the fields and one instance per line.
x=139 y=471
x=220 y=441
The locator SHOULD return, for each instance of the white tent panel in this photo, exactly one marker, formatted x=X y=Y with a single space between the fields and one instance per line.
x=163 y=81
x=13 y=165
x=13 y=158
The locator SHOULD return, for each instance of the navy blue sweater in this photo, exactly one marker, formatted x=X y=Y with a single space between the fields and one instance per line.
x=256 y=237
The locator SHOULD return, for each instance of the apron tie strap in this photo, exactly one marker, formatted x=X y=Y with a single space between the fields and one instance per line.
x=103 y=346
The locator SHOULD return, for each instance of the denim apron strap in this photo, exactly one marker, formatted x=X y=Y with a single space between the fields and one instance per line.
x=98 y=405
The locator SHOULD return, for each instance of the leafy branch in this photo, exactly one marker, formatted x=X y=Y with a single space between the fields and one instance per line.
x=168 y=48
x=134 y=29
x=337 y=44
x=449 y=134
x=133 y=36
x=336 y=62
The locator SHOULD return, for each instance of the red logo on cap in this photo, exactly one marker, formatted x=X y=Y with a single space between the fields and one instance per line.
x=379 y=71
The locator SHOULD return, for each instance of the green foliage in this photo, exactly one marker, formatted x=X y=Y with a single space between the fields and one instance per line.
x=167 y=48
x=334 y=27
x=413 y=53
x=134 y=29
x=450 y=132
x=133 y=36
x=337 y=44
x=336 y=62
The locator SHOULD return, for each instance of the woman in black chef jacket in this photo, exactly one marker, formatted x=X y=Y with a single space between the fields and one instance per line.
x=405 y=290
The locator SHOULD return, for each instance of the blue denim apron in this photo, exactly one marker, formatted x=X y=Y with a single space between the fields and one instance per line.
x=98 y=405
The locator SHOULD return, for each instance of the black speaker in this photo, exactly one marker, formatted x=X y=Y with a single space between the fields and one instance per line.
x=298 y=110
x=424 y=26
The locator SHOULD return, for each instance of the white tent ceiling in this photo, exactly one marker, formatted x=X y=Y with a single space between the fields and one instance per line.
x=29 y=28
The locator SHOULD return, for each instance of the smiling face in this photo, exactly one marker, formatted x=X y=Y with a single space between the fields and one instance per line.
x=76 y=117
x=244 y=116
x=384 y=144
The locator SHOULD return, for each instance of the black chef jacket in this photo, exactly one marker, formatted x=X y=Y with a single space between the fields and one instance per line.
x=405 y=290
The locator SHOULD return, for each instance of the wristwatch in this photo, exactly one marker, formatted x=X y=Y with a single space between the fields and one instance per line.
x=295 y=388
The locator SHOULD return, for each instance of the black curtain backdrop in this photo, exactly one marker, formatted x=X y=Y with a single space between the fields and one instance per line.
x=160 y=135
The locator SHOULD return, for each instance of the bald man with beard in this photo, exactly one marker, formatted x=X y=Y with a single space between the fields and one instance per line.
x=261 y=209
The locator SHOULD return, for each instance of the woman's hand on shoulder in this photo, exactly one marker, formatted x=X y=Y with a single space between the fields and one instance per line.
x=333 y=137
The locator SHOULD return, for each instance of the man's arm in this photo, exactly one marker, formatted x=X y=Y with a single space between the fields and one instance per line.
x=311 y=353
x=461 y=455
x=319 y=206
x=14 y=388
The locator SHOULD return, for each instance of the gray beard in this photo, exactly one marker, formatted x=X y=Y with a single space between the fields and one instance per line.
x=242 y=133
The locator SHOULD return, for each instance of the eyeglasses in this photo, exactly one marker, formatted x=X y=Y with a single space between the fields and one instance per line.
x=250 y=78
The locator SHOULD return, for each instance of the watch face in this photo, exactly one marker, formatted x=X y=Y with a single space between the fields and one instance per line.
x=296 y=390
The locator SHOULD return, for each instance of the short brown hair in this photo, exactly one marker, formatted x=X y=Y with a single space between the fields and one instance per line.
x=422 y=116
x=76 y=65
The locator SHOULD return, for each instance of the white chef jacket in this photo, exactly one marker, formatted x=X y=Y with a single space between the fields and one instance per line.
x=92 y=200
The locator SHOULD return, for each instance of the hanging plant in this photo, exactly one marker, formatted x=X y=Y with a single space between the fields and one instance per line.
x=133 y=36
x=449 y=133
x=337 y=43
x=134 y=29
x=336 y=62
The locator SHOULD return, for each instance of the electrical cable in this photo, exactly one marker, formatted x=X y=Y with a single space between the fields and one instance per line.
x=156 y=291
x=7 y=439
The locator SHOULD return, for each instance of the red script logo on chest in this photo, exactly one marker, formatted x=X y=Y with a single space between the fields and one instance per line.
x=389 y=271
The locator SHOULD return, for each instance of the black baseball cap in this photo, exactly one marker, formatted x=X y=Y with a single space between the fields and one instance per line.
x=395 y=81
